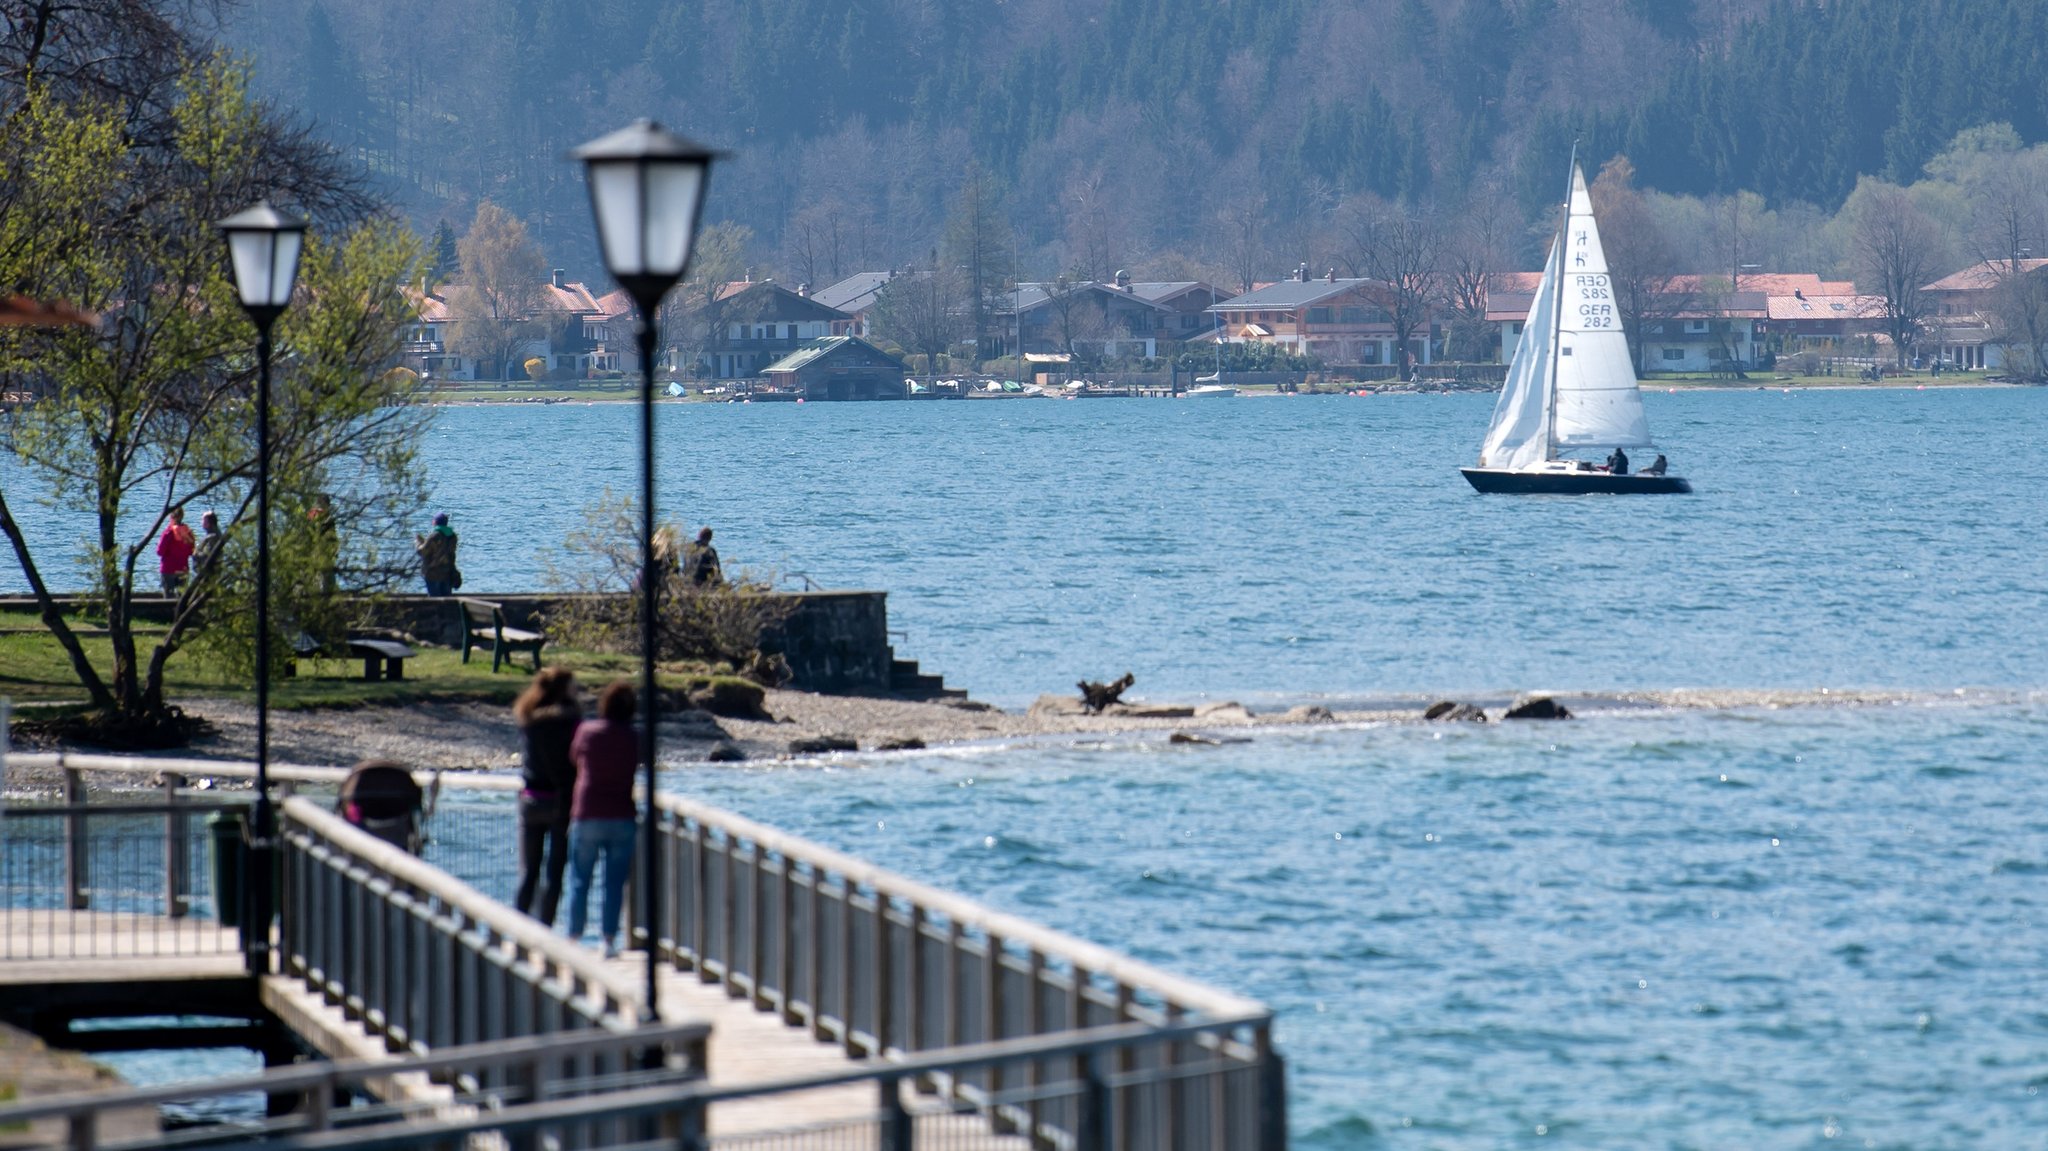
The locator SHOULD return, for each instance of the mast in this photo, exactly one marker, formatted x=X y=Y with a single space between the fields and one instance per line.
x=1564 y=228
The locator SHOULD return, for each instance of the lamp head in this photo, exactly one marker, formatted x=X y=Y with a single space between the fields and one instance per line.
x=647 y=191
x=264 y=246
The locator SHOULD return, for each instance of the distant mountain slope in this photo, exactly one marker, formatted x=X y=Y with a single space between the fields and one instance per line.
x=1138 y=126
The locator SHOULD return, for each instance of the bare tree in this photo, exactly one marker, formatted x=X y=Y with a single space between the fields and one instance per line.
x=498 y=304
x=978 y=242
x=816 y=242
x=1242 y=225
x=1894 y=244
x=1640 y=263
x=2011 y=214
x=921 y=312
x=1402 y=247
x=1476 y=247
x=696 y=317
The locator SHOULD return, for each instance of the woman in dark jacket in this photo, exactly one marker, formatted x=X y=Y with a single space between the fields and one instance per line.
x=547 y=713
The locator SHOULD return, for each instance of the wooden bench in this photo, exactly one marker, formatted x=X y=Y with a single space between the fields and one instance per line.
x=483 y=624
x=383 y=659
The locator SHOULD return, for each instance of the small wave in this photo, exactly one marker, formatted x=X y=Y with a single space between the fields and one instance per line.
x=1344 y=1134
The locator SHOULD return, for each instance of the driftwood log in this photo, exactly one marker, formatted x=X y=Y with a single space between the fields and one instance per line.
x=1097 y=696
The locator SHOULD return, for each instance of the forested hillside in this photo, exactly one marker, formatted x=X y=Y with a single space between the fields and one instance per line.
x=1154 y=133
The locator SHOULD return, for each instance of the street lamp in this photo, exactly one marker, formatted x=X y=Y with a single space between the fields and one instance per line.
x=263 y=246
x=647 y=192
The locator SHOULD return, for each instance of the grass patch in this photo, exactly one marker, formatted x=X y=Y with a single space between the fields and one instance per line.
x=35 y=669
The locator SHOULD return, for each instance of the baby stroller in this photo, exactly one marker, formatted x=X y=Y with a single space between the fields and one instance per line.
x=382 y=798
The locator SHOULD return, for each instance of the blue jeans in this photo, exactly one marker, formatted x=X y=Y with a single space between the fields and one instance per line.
x=440 y=587
x=588 y=839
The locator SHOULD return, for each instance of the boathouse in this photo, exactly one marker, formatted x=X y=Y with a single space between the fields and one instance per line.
x=838 y=368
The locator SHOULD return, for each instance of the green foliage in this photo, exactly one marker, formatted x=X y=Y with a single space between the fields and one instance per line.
x=154 y=408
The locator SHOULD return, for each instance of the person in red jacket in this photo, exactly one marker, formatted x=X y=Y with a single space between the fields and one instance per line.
x=174 y=553
x=605 y=752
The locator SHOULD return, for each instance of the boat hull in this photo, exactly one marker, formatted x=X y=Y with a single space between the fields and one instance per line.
x=1496 y=481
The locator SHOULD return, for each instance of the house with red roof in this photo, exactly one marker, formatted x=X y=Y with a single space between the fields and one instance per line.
x=1965 y=325
x=1336 y=319
x=1713 y=323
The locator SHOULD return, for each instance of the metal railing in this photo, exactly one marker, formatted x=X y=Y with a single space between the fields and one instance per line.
x=889 y=967
x=153 y=875
x=1163 y=1104
x=460 y=1082
x=420 y=958
x=863 y=958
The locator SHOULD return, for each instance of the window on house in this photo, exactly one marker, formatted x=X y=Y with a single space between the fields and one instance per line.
x=1351 y=315
x=1674 y=353
x=1517 y=327
x=1319 y=315
x=1695 y=325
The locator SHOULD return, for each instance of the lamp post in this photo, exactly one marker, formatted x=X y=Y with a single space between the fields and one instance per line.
x=263 y=245
x=647 y=192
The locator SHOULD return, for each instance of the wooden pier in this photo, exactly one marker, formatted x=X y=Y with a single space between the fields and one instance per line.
x=840 y=1005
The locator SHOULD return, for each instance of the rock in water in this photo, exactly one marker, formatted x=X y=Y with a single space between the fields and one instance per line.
x=907 y=743
x=819 y=745
x=1538 y=707
x=726 y=752
x=1309 y=713
x=1191 y=737
x=1451 y=711
x=1226 y=711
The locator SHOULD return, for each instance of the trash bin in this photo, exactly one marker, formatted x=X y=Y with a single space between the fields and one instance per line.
x=225 y=854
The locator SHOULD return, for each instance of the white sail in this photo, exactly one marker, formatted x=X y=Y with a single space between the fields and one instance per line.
x=1516 y=440
x=1598 y=404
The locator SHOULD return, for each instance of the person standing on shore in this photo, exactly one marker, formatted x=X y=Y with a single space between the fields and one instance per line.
x=701 y=568
x=210 y=540
x=605 y=752
x=174 y=553
x=437 y=558
x=547 y=714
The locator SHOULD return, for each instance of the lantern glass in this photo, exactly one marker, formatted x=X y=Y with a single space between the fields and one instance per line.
x=264 y=246
x=266 y=266
x=672 y=193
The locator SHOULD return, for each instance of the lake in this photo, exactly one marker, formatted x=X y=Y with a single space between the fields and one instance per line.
x=1671 y=929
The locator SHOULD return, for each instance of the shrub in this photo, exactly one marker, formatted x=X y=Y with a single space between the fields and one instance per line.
x=536 y=369
x=717 y=626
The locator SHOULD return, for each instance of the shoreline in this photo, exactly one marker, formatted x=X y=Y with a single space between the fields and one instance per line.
x=471 y=736
x=551 y=397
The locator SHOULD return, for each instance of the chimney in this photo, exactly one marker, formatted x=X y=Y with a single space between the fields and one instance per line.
x=1123 y=279
x=1301 y=273
x=1330 y=276
x=556 y=276
x=804 y=290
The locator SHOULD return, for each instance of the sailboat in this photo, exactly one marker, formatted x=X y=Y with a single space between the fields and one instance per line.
x=1571 y=385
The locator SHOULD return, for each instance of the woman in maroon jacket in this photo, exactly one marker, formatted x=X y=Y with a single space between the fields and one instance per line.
x=605 y=752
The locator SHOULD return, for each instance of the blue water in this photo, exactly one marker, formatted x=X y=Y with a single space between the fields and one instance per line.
x=1816 y=927
x=1318 y=545
x=1806 y=928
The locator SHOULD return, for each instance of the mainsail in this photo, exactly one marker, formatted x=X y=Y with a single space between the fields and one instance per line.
x=1598 y=404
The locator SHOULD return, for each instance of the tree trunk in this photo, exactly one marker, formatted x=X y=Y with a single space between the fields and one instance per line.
x=46 y=605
